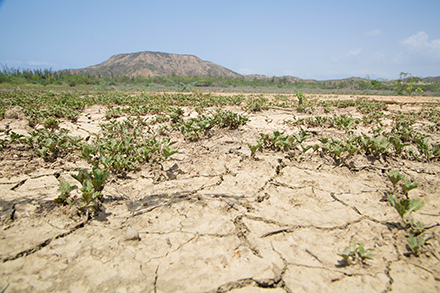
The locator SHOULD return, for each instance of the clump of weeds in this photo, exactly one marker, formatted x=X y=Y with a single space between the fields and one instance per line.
x=122 y=147
x=356 y=254
x=416 y=238
x=255 y=148
x=92 y=184
x=193 y=128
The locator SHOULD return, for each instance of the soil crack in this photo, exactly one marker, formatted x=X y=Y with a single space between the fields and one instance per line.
x=42 y=244
x=333 y=195
x=241 y=231
x=276 y=282
x=19 y=184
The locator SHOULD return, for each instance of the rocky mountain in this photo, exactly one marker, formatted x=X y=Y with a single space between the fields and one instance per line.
x=150 y=64
x=431 y=79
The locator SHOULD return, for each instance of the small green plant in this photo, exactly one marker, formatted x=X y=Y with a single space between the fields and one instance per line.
x=301 y=136
x=395 y=176
x=167 y=149
x=408 y=185
x=254 y=104
x=397 y=144
x=192 y=128
x=278 y=141
x=51 y=144
x=416 y=244
x=51 y=124
x=121 y=147
x=113 y=112
x=405 y=207
x=255 y=148
x=64 y=189
x=345 y=122
x=92 y=185
x=415 y=229
x=356 y=253
x=336 y=148
x=15 y=137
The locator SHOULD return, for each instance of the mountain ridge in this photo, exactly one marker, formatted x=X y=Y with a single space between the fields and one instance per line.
x=150 y=63
x=161 y=64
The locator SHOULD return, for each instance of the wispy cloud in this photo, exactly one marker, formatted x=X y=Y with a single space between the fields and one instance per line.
x=246 y=70
x=373 y=33
x=28 y=64
x=355 y=52
x=290 y=72
x=347 y=57
x=418 y=49
x=419 y=44
x=40 y=63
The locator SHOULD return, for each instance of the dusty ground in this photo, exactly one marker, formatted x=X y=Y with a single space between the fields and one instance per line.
x=218 y=222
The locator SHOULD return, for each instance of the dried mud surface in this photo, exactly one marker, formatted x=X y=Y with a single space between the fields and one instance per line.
x=217 y=221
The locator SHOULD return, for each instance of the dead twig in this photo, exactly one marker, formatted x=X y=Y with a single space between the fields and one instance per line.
x=277 y=231
x=317 y=258
x=149 y=209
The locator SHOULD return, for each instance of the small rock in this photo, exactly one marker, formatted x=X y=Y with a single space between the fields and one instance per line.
x=132 y=234
x=15 y=113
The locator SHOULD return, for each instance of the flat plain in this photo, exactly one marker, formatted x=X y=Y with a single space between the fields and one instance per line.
x=264 y=193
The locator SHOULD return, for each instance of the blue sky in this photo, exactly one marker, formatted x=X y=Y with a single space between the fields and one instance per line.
x=308 y=39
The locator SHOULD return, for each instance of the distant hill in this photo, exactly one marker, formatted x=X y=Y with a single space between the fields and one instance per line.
x=431 y=79
x=285 y=78
x=149 y=64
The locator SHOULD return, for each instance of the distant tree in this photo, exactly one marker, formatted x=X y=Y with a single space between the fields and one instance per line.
x=407 y=83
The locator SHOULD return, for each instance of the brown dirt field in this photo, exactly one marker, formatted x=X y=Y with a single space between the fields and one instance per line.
x=218 y=221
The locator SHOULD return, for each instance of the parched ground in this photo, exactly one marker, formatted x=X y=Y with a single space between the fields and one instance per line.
x=217 y=220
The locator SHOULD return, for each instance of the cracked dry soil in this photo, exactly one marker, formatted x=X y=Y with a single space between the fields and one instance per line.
x=218 y=221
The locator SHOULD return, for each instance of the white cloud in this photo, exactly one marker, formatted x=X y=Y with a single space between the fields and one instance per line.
x=39 y=63
x=420 y=46
x=355 y=52
x=379 y=57
x=290 y=72
x=373 y=33
x=28 y=64
x=245 y=71
x=347 y=57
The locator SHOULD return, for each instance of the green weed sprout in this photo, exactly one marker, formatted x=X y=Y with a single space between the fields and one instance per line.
x=408 y=185
x=255 y=148
x=416 y=244
x=356 y=253
x=51 y=124
x=65 y=189
x=92 y=185
x=395 y=176
x=406 y=206
x=16 y=137
x=167 y=149
x=398 y=144
x=416 y=228
x=88 y=194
